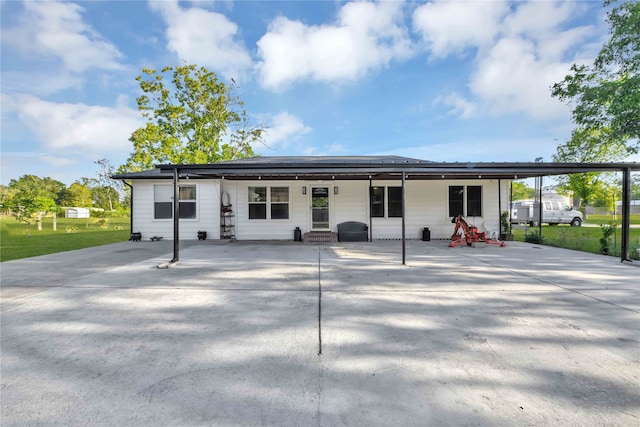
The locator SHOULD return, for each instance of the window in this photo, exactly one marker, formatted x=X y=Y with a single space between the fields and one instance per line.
x=277 y=202
x=187 y=206
x=394 y=208
x=257 y=202
x=394 y=202
x=474 y=200
x=377 y=202
x=457 y=200
x=163 y=201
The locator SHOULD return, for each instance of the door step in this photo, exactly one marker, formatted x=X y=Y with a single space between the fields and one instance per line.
x=320 y=237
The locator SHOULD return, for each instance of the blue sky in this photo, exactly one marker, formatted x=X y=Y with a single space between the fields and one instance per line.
x=442 y=81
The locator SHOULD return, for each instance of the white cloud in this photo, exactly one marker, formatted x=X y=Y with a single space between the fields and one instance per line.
x=65 y=128
x=459 y=105
x=366 y=36
x=56 y=161
x=511 y=78
x=451 y=27
x=55 y=29
x=203 y=37
x=481 y=150
x=519 y=54
x=285 y=129
x=39 y=82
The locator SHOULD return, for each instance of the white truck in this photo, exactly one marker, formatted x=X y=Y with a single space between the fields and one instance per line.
x=553 y=212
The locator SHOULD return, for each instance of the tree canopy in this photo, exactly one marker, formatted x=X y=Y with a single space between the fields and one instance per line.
x=606 y=94
x=589 y=146
x=192 y=117
x=521 y=191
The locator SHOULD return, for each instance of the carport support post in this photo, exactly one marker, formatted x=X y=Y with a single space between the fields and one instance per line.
x=176 y=217
x=626 y=211
x=499 y=209
x=370 y=213
x=540 y=210
x=404 y=244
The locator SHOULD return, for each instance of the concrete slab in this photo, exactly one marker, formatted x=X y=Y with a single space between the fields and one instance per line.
x=230 y=336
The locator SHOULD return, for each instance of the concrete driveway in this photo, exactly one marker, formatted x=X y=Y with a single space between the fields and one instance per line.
x=521 y=335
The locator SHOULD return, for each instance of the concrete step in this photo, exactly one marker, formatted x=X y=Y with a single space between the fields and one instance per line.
x=320 y=237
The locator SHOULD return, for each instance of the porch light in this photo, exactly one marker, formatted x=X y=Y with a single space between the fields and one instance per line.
x=335 y=190
x=304 y=189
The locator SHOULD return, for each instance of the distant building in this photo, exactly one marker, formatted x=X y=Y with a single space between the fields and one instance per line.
x=77 y=213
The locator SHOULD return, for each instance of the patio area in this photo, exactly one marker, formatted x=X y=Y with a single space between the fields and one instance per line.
x=279 y=334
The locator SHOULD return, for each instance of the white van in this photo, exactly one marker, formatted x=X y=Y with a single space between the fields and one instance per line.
x=553 y=212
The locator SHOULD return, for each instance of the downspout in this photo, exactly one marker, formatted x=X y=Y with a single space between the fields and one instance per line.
x=404 y=243
x=130 y=206
x=176 y=217
x=626 y=213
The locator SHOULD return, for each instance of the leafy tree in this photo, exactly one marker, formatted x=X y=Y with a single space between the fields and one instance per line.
x=64 y=198
x=587 y=146
x=33 y=186
x=80 y=194
x=606 y=95
x=192 y=117
x=106 y=198
x=5 y=195
x=521 y=191
x=28 y=206
x=109 y=189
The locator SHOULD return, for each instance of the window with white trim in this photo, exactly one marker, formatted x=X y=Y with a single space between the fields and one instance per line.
x=163 y=201
x=268 y=202
x=393 y=205
x=461 y=197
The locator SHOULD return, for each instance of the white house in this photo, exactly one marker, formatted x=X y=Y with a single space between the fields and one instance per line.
x=270 y=206
x=267 y=198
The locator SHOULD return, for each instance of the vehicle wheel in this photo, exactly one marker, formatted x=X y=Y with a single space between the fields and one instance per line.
x=577 y=222
x=553 y=223
x=533 y=223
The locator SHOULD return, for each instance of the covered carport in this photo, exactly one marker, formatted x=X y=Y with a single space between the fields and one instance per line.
x=369 y=168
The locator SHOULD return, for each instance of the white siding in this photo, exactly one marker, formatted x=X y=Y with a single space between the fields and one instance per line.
x=207 y=214
x=268 y=229
x=427 y=206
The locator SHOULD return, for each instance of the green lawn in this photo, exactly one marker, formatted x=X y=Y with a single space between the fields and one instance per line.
x=600 y=219
x=582 y=238
x=71 y=234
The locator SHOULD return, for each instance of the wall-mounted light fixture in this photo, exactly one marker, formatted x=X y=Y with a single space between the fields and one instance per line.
x=304 y=189
x=335 y=190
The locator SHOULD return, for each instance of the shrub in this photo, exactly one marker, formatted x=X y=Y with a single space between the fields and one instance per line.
x=534 y=237
x=607 y=230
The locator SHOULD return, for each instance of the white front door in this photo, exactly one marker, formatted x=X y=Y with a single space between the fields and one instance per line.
x=320 y=208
